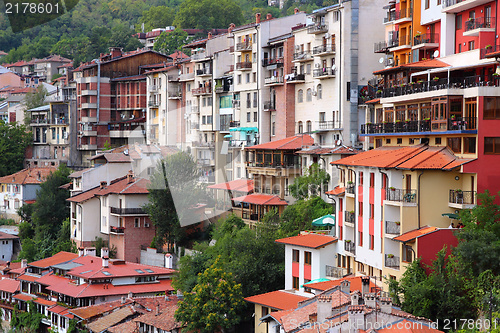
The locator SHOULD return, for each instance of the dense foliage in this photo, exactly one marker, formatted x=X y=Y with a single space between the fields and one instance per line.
x=312 y=183
x=12 y=156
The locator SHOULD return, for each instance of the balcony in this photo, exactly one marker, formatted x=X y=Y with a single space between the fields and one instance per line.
x=222 y=89
x=317 y=29
x=350 y=247
x=328 y=125
x=462 y=199
x=87 y=147
x=127 y=211
x=455 y=6
x=234 y=124
x=459 y=124
x=380 y=47
x=175 y=94
x=392 y=228
x=489 y=52
x=350 y=217
x=473 y=26
x=154 y=103
x=202 y=91
x=194 y=109
x=88 y=93
x=244 y=46
x=350 y=189
x=244 y=66
x=272 y=61
x=39 y=121
x=426 y=41
x=88 y=119
x=391 y=261
x=117 y=230
x=153 y=88
x=400 y=195
x=274 y=80
x=324 y=50
x=337 y=272
x=295 y=78
x=89 y=105
x=88 y=133
x=186 y=77
x=269 y=106
x=207 y=71
x=403 y=15
x=399 y=43
x=198 y=56
x=391 y=16
x=302 y=56
x=324 y=73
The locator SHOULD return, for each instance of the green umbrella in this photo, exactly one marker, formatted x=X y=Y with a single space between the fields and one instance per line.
x=451 y=216
x=324 y=221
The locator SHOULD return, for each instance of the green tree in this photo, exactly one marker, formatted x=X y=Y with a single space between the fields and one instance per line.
x=300 y=215
x=122 y=36
x=169 y=42
x=157 y=17
x=12 y=155
x=208 y=14
x=33 y=100
x=214 y=303
x=313 y=182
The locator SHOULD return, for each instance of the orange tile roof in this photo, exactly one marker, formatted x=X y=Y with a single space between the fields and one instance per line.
x=23 y=297
x=57 y=258
x=26 y=277
x=9 y=285
x=241 y=185
x=115 y=317
x=28 y=176
x=336 y=191
x=280 y=300
x=420 y=65
x=411 y=235
x=414 y=157
x=117 y=186
x=164 y=320
x=126 y=327
x=262 y=199
x=88 y=312
x=355 y=281
x=343 y=150
x=45 y=302
x=313 y=241
x=291 y=143
x=4 y=235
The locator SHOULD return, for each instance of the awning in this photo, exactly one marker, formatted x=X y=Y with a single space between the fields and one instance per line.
x=244 y=129
x=451 y=216
x=314 y=281
x=228 y=136
x=261 y=199
x=324 y=220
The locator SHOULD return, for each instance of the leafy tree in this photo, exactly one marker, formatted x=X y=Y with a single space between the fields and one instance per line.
x=122 y=36
x=208 y=14
x=214 y=303
x=12 y=155
x=157 y=17
x=173 y=193
x=33 y=100
x=26 y=230
x=169 y=42
x=63 y=241
x=300 y=215
x=311 y=183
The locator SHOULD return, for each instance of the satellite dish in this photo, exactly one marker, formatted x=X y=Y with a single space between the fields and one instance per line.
x=436 y=53
x=339 y=142
x=381 y=60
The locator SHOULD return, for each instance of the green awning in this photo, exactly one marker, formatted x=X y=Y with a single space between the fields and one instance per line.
x=324 y=220
x=451 y=216
x=244 y=129
x=228 y=136
x=314 y=281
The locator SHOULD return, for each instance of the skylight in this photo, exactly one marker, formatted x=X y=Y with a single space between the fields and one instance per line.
x=86 y=272
x=149 y=270
x=106 y=273
x=139 y=271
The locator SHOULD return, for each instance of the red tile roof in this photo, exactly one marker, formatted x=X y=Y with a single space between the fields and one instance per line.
x=9 y=285
x=414 y=157
x=261 y=199
x=280 y=300
x=117 y=186
x=88 y=312
x=112 y=157
x=164 y=320
x=420 y=65
x=23 y=297
x=241 y=185
x=355 y=281
x=336 y=191
x=58 y=309
x=28 y=176
x=115 y=317
x=27 y=277
x=45 y=302
x=343 y=150
x=126 y=327
x=411 y=235
x=4 y=235
x=291 y=143
x=57 y=258
x=313 y=241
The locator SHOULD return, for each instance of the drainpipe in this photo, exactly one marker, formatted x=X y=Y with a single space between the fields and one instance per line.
x=418 y=198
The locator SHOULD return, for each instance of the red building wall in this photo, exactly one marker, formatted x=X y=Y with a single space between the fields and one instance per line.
x=429 y=245
x=129 y=244
x=484 y=38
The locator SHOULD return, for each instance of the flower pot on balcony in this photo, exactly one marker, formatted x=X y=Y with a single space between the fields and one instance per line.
x=348 y=241
x=398 y=223
x=390 y=256
x=392 y=188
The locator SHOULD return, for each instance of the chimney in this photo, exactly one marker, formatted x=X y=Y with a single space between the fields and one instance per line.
x=89 y=251
x=231 y=27
x=157 y=308
x=115 y=52
x=345 y=286
x=105 y=261
x=24 y=263
x=257 y=18
x=169 y=261
x=104 y=252
x=130 y=176
x=123 y=299
x=324 y=308
x=385 y=305
x=80 y=251
x=209 y=35
x=103 y=185
x=371 y=300
x=365 y=285
x=269 y=16
x=355 y=298
x=130 y=295
x=295 y=10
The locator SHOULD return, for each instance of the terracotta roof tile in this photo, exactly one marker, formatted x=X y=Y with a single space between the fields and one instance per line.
x=163 y=320
x=355 y=281
x=291 y=143
x=111 y=319
x=126 y=327
x=28 y=176
x=44 y=302
x=9 y=285
x=280 y=300
x=261 y=199
x=57 y=258
x=411 y=235
x=337 y=191
x=28 y=277
x=23 y=297
x=343 y=150
x=4 y=235
x=420 y=65
x=91 y=311
x=117 y=186
x=313 y=241
x=240 y=185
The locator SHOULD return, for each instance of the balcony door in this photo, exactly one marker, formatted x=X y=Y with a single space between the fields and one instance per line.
x=408 y=184
x=470 y=113
x=439 y=114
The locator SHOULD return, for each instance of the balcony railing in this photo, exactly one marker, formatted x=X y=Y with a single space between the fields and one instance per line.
x=244 y=65
x=202 y=91
x=350 y=189
x=327 y=125
x=198 y=56
x=295 y=77
x=391 y=16
x=455 y=124
x=403 y=13
x=350 y=247
x=337 y=272
x=327 y=71
x=127 y=211
x=441 y=83
x=274 y=80
x=269 y=106
x=350 y=217
x=391 y=261
x=462 y=197
x=245 y=46
x=317 y=29
x=272 y=61
x=117 y=230
x=401 y=195
x=289 y=165
x=204 y=71
x=426 y=38
x=186 y=76
x=392 y=228
x=480 y=23
x=153 y=103
x=380 y=47
x=324 y=49
x=488 y=50
x=234 y=124
x=304 y=55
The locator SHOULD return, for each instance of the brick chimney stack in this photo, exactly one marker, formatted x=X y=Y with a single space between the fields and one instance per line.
x=231 y=27
x=295 y=10
x=209 y=35
x=257 y=18
x=269 y=16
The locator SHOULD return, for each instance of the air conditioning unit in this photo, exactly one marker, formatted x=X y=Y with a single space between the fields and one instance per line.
x=146 y=225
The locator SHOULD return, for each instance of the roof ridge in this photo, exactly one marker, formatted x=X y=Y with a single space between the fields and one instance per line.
x=436 y=152
x=417 y=150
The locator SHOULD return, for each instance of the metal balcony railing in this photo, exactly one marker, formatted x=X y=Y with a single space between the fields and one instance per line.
x=462 y=197
x=392 y=228
x=337 y=272
x=480 y=23
x=391 y=261
x=350 y=216
x=455 y=124
x=244 y=46
x=425 y=38
x=127 y=211
x=350 y=188
x=272 y=61
x=327 y=71
x=117 y=230
x=304 y=55
x=324 y=49
x=401 y=195
x=318 y=28
x=244 y=65
x=350 y=247
x=326 y=125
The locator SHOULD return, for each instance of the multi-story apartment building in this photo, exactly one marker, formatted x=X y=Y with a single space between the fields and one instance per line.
x=47 y=67
x=112 y=98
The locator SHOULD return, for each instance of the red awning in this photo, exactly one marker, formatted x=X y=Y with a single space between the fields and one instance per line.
x=261 y=200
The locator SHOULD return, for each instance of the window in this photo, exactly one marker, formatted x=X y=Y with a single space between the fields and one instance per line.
x=273 y=128
x=458 y=22
x=455 y=144
x=249 y=117
x=360 y=210
x=239 y=78
x=407 y=253
x=265 y=311
x=361 y=267
x=372 y=242
x=300 y=96
x=387 y=141
x=295 y=255
x=255 y=99
x=248 y=78
x=309 y=95
x=319 y=92
x=300 y=128
x=427 y=3
x=399 y=141
x=469 y=145
x=471 y=45
x=255 y=116
x=492 y=145
x=295 y=283
x=372 y=211
x=249 y=101
x=372 y=179
x=360 y=236
x=308 y=69
x=137 y=223
x=491 y=108
x=437 y=141
x=254 y=77
x=439 y=2
x=307 y=258
x=309 y=126
x=361 y=178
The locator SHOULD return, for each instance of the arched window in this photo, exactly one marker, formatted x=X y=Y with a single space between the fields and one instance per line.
x=319 y=91
x=309 y=95
x=301 y=128
x=300 y=96
x=309 y=126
